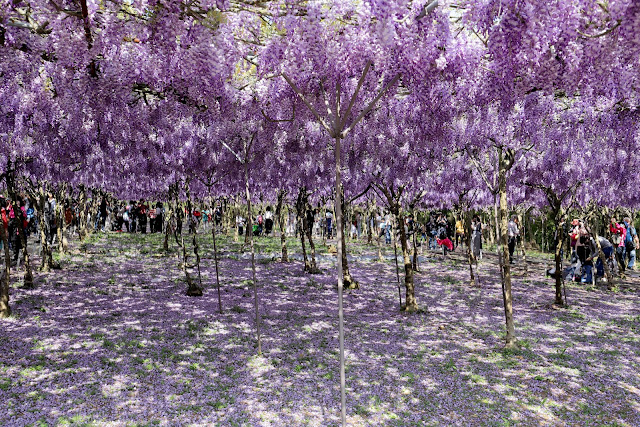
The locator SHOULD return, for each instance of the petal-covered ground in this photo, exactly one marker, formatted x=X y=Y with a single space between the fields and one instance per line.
x=112 y=339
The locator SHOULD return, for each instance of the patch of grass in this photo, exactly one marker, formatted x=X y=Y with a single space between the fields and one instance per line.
x=108 y=362
x=410 y=376
x=561 y=354
x=450 y=365
x=478 y=379
x=362 y=410
x=238 y=309
x=31 y=369
x=132 y=344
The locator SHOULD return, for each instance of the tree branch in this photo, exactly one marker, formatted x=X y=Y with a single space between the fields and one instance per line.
x=359 y=195
x=343 y=121
x=370 y=106
x=308 y=104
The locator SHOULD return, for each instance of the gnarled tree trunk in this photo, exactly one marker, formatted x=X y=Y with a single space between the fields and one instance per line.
x=280 y=219
x=82 y=213
x=470 y=256
x=215 y=260
x=5 y=279
x=348 y=281
x=505 y=161
x=47 y=256
x=194 y=290
x=306 y=229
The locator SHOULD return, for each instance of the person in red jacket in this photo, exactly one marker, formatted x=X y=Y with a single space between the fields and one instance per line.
x=618 y=235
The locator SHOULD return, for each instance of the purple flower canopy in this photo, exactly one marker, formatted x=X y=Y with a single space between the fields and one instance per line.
x=133 y=97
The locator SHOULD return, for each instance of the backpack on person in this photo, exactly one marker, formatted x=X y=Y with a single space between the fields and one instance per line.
x=628 y=240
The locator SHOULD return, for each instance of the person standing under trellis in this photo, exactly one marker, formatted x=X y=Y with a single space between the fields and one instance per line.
x=268 y=221
x=329 y=218
x=459 y=232
x=630 y=243
x=103 y=213
x=159 y=217
x=618 y=234
x=143 y=211
x=514 y=232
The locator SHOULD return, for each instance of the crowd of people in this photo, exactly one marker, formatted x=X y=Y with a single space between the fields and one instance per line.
x=619 y=249
x=436 y=232
x=26 y=219
x=130 y=217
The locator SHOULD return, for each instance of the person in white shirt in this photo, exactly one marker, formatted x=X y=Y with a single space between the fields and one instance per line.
x=240 y=225
x=268 y=221
x=329 y=217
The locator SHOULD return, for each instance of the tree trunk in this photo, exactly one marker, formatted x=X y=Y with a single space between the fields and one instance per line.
x=82 y=213
x=167 y=219
x=253 y=257
x=348 y=280
x=248 y=232
x=5 y=279
x=323 y=222
x=281 y=224
x=558 y=259
x=340 y=272
x=194 y=290
x=505 y=164
x=62 y=223
x=215 y=260
x=303 y=245
x=179 y=213
x=370 y=220
x=314 y=266
x=380 y=257
x=410 y=297
x=395 y=258
x=522 y=249
x=301 y=214
x=93 y=207
x=47 y=256
x=467 y=238
x=415 y=245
